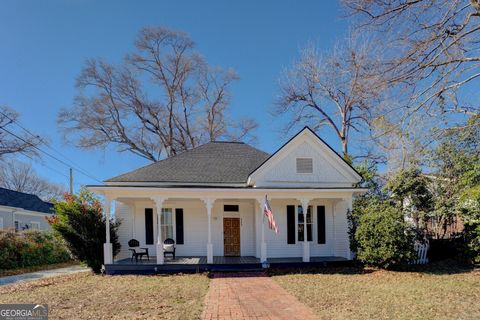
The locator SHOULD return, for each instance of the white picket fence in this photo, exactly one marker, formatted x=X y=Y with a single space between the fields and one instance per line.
x=421 y=249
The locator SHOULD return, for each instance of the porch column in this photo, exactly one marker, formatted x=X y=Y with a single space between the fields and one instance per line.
x=209 y=204
x=158 y=204
x=107 y=246
x=263 y=244
x=306 y=244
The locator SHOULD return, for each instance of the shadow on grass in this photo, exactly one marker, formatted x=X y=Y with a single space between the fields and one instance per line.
x=355 y=270
x=437 y=268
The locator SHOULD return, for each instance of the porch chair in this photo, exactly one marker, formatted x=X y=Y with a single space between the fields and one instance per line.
x=134 y=245
x=169 y=247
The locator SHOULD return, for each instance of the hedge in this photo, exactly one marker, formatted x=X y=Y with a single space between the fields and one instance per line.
x=31 y=248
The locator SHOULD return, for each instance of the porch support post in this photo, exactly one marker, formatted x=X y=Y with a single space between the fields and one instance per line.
x=159 y=248
x=306 y=244
x=209 y=204
x=107 y=246
x=263 y=244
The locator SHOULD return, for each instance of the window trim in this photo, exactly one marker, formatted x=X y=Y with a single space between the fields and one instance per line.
x=34 y=223
x=15 y=223
x=231 y=206
x=173 y=225
x=312 y=224
x=303 y=158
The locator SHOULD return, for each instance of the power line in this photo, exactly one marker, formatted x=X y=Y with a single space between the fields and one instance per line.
x=48 y=167
x=72 y=164
x=46 y=153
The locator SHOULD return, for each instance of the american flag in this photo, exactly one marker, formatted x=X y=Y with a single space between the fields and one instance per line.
x=267 y=211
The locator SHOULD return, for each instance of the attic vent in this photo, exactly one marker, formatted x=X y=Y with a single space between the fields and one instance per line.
x=304 y=165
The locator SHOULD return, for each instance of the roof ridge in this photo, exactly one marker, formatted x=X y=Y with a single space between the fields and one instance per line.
x=222 y=141
x=24 y=193
x=206 y=162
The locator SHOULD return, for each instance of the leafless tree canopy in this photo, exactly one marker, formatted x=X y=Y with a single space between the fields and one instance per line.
x=19 y=176
x=339 y=90
x=433 y=49
x=163 y=99
x=11 y=141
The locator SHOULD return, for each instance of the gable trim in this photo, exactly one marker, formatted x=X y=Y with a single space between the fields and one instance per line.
x=291 y=139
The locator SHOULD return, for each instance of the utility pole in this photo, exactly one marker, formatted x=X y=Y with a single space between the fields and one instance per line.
x=71 y=181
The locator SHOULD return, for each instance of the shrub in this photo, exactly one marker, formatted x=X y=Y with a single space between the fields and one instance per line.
x=470 y=210
x=80 y=221
x=31 y=248
x=383 y=238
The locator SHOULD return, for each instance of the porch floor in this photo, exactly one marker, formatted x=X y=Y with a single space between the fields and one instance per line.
x=219 y=260
x=191 y=260
x=199 y=264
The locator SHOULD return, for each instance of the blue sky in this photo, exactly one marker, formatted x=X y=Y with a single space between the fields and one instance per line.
x=44 y=44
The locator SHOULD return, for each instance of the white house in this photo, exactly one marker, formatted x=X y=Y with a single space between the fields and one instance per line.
x=210 y=200
x=22 y=211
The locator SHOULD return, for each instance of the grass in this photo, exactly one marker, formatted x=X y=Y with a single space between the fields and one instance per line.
x=12 y=272
x=88 y=296
x=435 y=293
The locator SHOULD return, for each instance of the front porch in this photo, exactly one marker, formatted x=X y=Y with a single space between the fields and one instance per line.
x=198 y=220
x=193 y=264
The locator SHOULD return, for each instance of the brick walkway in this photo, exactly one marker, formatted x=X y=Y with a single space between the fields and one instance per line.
x=251 y=296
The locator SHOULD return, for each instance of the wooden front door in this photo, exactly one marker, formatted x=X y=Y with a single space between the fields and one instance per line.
x=231 y=237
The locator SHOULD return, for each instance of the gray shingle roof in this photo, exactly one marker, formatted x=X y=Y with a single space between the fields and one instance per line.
x=11 y=198
x=214 y=162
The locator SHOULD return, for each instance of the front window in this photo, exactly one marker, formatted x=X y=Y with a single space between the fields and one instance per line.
x=17 y=225
x=301 y=231
x=167 y=223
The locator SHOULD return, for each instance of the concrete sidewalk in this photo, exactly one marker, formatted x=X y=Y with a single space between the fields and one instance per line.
x=41 y=274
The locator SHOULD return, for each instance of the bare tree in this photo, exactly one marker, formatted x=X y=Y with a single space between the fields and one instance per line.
x=340 y=90
x=11 y=141
x=19 y=176
x=163 y=99
x=432 y=48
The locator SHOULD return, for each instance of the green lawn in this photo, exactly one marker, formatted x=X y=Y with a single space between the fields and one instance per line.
x=87 y=296
x=379 y=294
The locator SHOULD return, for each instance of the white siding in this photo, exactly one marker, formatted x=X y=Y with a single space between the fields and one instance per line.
x=281 y=170
x=124 y=214
x=195 y=229
x=7 y=219
x=194 y=224
x=26 y=218
x=277 y=246
x=342 y=243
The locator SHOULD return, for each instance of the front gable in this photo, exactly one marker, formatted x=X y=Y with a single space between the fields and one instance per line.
x=329 y=169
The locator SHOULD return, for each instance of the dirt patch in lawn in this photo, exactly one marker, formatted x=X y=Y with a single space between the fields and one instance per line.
x=380 y=294
x=88 y=296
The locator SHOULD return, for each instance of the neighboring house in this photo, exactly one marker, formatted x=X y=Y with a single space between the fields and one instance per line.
x=21 y=211
x=210 y=200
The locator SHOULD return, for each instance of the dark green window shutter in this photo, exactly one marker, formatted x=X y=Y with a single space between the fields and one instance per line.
x=148 y=226
x=321 y=224
x=179 y=225
x=291 y=224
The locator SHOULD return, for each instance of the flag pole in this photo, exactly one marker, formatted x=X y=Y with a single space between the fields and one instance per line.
x=263 y=225
x=263 y=245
